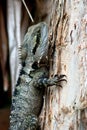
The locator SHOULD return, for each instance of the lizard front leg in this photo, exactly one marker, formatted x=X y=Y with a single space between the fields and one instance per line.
x=51 y=81
x=54 y=81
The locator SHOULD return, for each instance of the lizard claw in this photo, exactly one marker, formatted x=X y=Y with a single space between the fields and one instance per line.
x=58 y=78
x=61 y=78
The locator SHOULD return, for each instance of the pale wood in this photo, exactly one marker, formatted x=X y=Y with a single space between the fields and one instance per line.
x=65 y=108
x=14 y=36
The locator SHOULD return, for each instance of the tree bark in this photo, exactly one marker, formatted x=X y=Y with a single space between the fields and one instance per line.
x=65 y=108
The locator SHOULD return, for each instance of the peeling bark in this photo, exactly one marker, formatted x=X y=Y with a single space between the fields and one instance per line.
x=65 y=108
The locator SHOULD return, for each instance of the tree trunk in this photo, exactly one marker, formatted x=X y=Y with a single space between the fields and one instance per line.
x=64 y=108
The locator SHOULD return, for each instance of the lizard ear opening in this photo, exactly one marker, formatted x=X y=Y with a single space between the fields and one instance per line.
x=35 y=65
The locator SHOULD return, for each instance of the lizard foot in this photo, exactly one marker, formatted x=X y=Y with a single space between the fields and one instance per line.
x=58 y=78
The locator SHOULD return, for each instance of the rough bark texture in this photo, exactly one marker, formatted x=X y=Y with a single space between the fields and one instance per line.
x=64 y=108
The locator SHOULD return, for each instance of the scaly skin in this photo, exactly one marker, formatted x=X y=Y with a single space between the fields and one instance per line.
x=27 y=99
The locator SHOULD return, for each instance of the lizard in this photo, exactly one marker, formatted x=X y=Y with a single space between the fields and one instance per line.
x=27 y=99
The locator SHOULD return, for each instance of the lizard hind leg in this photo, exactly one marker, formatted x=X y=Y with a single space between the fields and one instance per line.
x=31 y=122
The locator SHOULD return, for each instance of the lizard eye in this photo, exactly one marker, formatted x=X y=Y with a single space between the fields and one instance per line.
x=35 y=65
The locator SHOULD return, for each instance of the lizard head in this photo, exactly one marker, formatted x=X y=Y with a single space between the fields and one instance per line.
x=36 y=42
